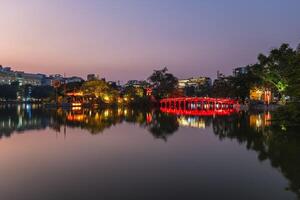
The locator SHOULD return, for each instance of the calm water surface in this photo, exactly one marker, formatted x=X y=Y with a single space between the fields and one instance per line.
x=127 y=154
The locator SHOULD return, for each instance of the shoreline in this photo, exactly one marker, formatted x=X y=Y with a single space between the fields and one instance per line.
x=242 y=107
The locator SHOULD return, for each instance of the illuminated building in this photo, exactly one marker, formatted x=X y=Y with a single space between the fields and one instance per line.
x=192 y=86
x=8 y=76
x=194 y=82
x=29 y=79
x=261 y=94
x=149 y=91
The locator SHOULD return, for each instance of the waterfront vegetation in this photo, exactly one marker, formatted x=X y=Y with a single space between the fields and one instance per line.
x=279 y=72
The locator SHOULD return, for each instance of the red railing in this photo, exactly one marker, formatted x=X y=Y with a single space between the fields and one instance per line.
x=202 y=106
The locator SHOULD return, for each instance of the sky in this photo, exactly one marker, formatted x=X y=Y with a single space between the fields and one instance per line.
x=128 y=39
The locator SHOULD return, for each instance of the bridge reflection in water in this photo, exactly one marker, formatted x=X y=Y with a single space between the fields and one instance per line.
x=199 y=106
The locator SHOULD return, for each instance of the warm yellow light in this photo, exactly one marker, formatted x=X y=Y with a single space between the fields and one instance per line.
x=106 y=98
x=75 y=94
x=76 y=104
x=71 y=117
x=106 y=113
x=97 y=117
x=119 y=111
x=76 y=108
x=259 y=91
x=119 y=100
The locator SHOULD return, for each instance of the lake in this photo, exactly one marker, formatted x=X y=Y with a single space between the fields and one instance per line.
x=131 y=154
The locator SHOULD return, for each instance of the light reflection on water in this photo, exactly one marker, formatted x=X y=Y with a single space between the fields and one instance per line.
x=234 y=156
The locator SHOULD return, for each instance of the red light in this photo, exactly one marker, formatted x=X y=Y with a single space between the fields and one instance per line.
x=209 y=106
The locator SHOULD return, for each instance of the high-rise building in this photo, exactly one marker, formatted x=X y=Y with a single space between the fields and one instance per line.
x=240 y=71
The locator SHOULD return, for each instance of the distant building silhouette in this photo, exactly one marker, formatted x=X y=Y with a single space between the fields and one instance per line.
x=8 y=76
x=240 y=70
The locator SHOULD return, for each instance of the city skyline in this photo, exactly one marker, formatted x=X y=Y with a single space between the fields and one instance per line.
x=124 y=40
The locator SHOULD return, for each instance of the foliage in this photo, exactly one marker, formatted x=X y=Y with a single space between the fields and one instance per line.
x=133 y=92
x=101 y=90
x=8 y=92
x=135 y=96
x=287 y=116
x=279 y=69
x=69 y=87
x=200 y=90
x=223 y=87
x=242 y=83
x=164 y=83
x=42 y=92
x=237 y=86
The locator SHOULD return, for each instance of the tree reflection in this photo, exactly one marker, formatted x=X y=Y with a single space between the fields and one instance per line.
x=254 y=129
x=163 y=125
x=17 y=119
x=282 y=149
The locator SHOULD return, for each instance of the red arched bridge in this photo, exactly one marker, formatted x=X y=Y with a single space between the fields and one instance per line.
x=204 y=106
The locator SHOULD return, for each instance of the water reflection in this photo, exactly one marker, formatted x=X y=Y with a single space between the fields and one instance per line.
x=18 y=119
x=194 y=121
x=281 y=148
x=254 y=130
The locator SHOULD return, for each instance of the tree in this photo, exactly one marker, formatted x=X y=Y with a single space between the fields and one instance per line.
x=164 y=84
x=96 y=88
x=242 y=83
x=42 y=92
x=69 y=87
x=223 y=87
x=276 y=68
x=294 y=78
x=8 y=92
x=101 y=90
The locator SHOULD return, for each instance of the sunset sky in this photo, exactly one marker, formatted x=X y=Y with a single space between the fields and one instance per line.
x=127 y=39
